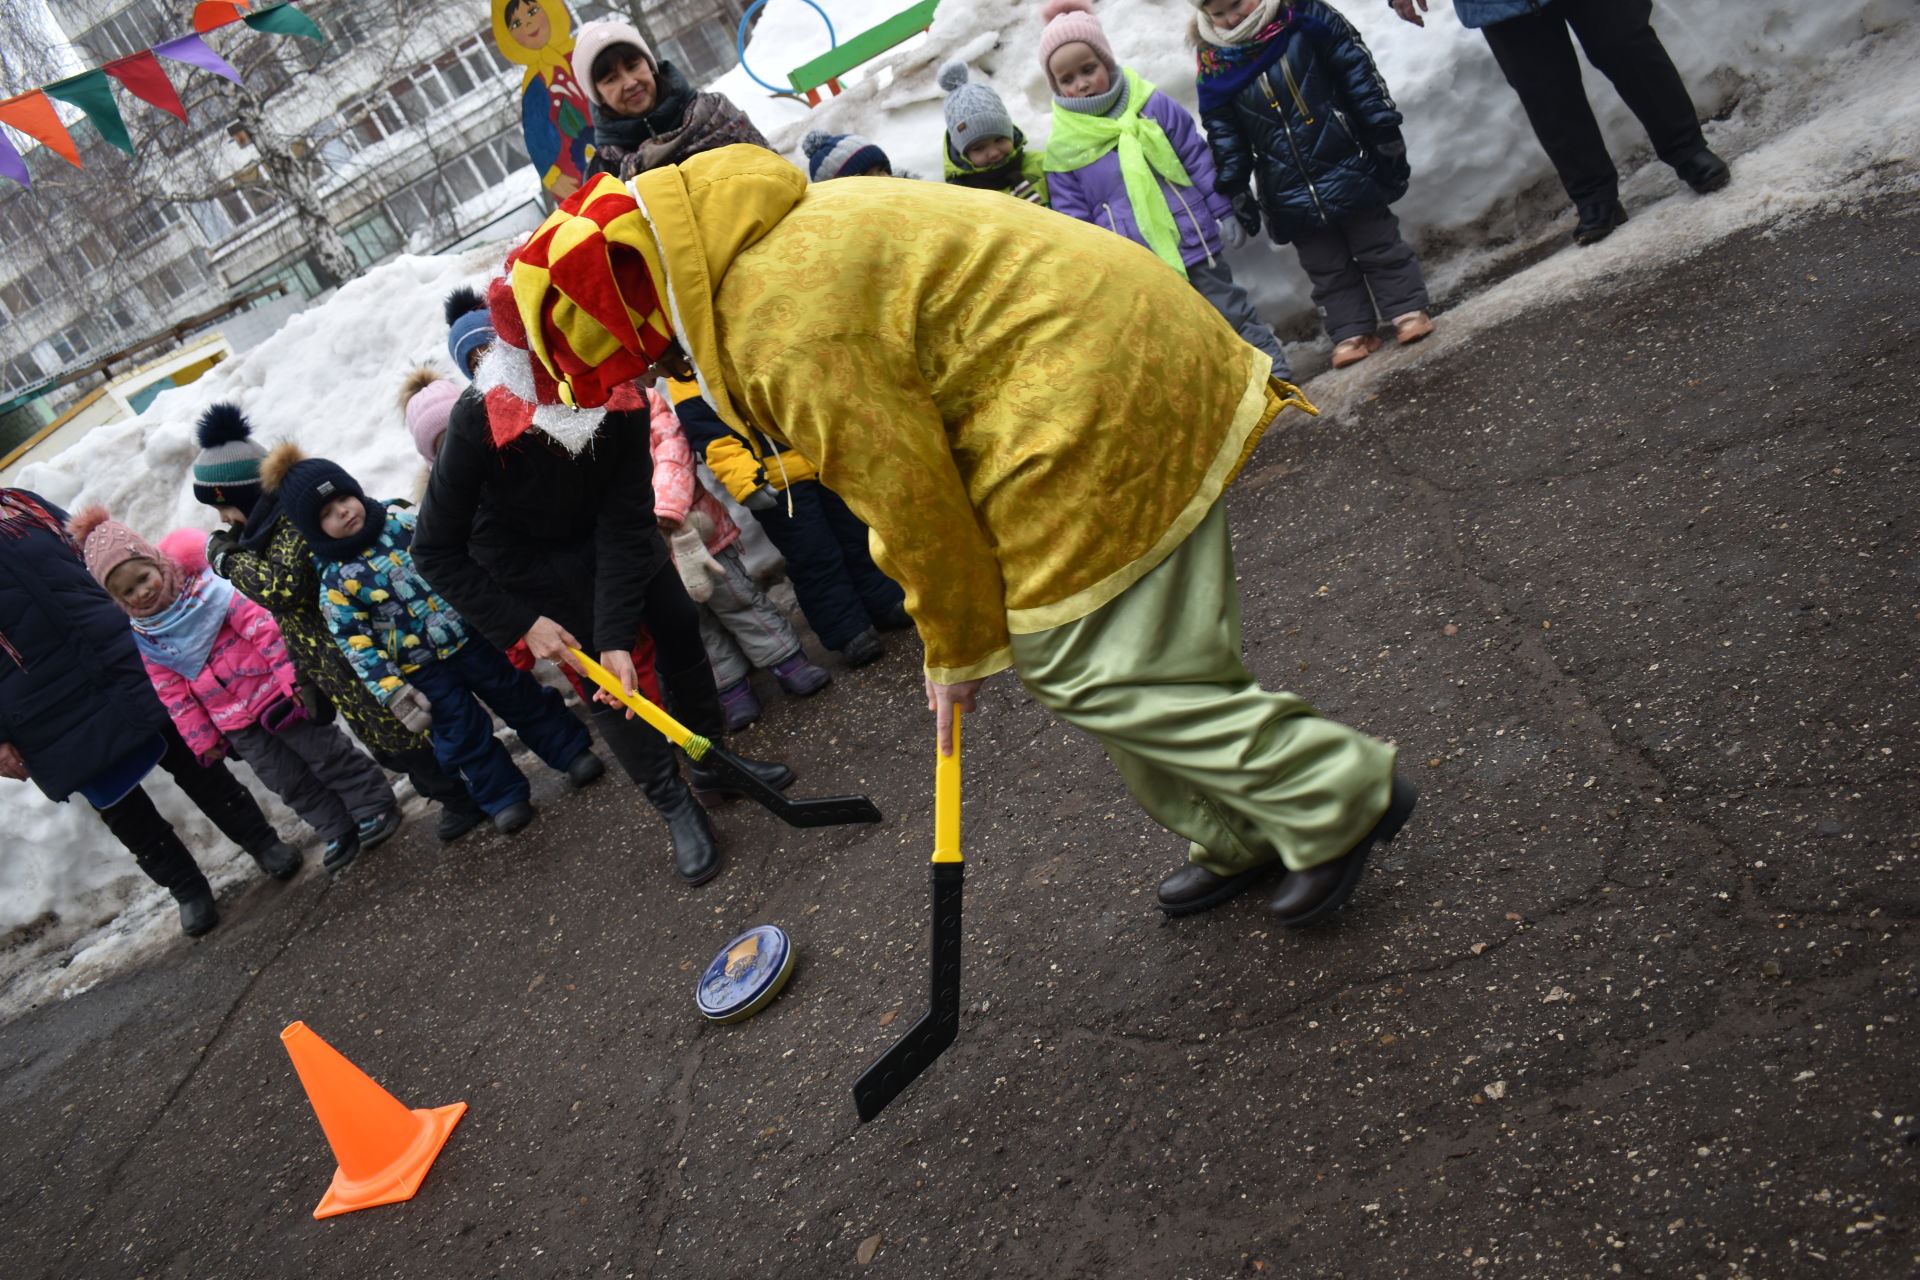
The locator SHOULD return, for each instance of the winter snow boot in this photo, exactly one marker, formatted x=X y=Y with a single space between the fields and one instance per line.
x=1597 y=221
x=514 y=817
x=895 y=619
x=799 y=677
x=375 y=831
x=584 y=769
x=341 y=852
x=279 y=860
x=198 y=914
x=1307 y=897
x=458 y=819
x=862 y=649
x=696 y=704
x=1704 y=171
x=1412 y=327
x=654 y=765
x=1353 y=350
x=739 y=704
x=167 y=863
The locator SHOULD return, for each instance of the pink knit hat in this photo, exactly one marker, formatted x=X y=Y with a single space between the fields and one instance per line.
x=1069 y=21
x=106 y=544
x=427 y=415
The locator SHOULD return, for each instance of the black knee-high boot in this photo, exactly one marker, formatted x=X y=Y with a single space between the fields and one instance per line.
x=695 y=702
x=157 y=849
x=650 y=761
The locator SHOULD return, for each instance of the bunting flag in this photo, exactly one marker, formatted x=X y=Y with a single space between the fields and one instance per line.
x=11 y=165
x=284 y=20
x=33 y=115
x=209 y=14
x=91 y=92
x=143 y=77
x=139 y=74
x=193 y=51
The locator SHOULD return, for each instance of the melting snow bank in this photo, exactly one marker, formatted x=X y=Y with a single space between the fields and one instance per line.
x=1838 y=122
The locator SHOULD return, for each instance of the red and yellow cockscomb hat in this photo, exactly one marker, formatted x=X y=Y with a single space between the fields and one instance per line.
x=577 y=318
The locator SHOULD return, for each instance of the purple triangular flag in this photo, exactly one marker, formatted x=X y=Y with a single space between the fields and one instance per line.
x=11 y=165
x=193 y=51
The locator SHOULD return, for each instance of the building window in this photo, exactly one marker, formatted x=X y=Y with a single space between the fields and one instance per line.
x=72 y=343
x=20 y=297
x=23 y=371
x=127 y=31
x=414 y=97
x=371 y=239
x=702 y=51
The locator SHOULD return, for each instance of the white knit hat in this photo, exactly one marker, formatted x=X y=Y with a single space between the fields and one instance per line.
x=593 y=39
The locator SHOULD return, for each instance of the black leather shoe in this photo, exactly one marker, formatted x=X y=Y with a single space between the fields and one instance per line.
x=1704 y=171
x=1307 y=897
x=862 y=649
x=895 y=619
x=455 y=823
x=1193 y=889
x=1597 y=221
x=198 y=914
x=514 y=817
x=585 y=769
x=279 y=860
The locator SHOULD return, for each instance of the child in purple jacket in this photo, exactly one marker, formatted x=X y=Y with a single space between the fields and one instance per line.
x=1125 y=156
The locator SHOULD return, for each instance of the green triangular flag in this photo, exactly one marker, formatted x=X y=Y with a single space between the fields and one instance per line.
x=284 y=20
x=92 y=92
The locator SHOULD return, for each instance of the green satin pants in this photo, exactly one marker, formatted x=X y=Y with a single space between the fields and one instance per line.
x=1156 y=676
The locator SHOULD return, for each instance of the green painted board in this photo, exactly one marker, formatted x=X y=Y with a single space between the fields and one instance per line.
x=869 y=44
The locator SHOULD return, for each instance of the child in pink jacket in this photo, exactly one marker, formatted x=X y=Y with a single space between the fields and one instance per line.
x=221 y=669
x=740 y=626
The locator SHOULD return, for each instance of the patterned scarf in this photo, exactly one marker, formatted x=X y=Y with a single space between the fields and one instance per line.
x=1079 y=140
x=684 y=124
x=1227 y=69
x=180 y=636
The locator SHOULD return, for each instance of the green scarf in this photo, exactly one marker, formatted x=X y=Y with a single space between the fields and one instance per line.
x=1078 y=140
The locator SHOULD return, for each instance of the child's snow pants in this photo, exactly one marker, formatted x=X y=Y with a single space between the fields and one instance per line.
x=1357 y=265
x=462 y=731
x=324 y=778
x=1156 y=676
x=834 y=578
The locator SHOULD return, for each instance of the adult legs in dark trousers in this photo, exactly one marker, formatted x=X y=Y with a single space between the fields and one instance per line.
x=1535 y=53
x=164 y=857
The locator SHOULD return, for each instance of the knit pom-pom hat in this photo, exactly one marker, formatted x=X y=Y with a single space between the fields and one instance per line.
x=186 y=548
x=974 y=110
x=305 y=485
x=106 y=544
x=226 y=472
x=1069 y=21
x=469 y=327
x=841 y=155
x=427 y=402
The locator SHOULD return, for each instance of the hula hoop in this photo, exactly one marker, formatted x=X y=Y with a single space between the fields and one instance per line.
x=740 y=42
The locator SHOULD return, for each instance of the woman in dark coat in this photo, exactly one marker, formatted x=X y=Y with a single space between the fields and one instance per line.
x=547 y=533
x=77 y=713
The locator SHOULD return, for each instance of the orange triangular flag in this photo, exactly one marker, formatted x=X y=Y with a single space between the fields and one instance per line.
x=209 y=14
x=33 y=115
x=142 y=77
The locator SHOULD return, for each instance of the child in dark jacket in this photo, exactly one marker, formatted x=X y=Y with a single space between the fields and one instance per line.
x=1125 y=156
x=412 y=651
x=1289 y=93
x=983 y=147
x=222 y=672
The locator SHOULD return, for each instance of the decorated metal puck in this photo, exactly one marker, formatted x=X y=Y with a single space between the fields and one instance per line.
x=747 y=974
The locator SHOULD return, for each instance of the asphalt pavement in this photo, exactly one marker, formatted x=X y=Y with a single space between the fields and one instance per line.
x=1631 y=580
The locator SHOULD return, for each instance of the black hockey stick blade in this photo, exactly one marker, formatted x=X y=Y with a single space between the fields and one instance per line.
x=928 y=1038
x=822 y=811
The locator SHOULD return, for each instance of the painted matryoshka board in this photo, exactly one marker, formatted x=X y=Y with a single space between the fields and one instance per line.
x=555 y=115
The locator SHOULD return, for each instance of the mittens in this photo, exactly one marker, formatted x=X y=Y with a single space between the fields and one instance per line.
x=221 y=543
x=411 y=708
x=1232 y=234
x=1246 y=207
x=698 y=569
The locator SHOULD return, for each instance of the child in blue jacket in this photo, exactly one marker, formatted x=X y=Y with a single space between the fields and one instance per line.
x=411 y=649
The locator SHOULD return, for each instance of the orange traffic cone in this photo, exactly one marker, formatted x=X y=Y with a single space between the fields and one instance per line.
x=384 y=1149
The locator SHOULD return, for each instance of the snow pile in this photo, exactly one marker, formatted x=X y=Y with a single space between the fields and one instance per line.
x=329 y=379
x=1476 y=164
